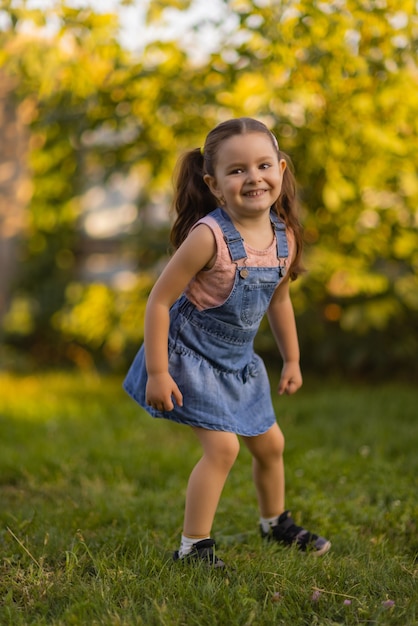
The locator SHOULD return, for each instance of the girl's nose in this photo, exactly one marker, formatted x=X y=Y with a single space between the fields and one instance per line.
x=253 y=174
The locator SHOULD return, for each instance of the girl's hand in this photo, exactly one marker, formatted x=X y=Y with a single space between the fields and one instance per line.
x=291 y=379
x=160 y=391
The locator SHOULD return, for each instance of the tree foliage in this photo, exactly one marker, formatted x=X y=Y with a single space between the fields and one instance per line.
x=337 y=82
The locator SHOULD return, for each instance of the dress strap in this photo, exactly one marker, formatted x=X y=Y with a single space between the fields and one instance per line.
x=281 y=239
x=233 y=239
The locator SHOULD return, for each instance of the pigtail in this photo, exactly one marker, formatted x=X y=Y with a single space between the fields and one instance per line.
x=288 y=209
x=192 y=199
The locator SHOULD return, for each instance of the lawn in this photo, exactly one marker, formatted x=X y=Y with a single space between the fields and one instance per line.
x=91 y=505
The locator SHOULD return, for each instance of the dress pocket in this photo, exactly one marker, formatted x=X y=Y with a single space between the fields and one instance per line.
x=255 y=301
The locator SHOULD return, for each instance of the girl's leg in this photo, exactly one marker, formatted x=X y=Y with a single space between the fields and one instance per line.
x=268 y=470
x=276 y=523
x=220 y=450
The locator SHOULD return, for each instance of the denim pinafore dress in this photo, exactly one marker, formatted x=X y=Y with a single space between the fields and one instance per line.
x=211 y=353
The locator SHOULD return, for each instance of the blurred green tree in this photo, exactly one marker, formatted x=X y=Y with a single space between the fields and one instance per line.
x=337 y=82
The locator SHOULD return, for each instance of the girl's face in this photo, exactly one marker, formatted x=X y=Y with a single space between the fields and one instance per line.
x=248 y=174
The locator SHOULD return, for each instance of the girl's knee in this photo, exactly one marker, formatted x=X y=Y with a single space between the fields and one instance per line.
x=267 y=447
x=227 y=451
x=220 y=448
x=274 y=447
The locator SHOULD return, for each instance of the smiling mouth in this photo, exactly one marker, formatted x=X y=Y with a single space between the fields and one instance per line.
x=255 y=194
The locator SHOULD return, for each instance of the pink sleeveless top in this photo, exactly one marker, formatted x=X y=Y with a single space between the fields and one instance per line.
x=211 y=287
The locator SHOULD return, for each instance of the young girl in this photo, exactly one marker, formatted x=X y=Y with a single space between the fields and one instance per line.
x=238 y=242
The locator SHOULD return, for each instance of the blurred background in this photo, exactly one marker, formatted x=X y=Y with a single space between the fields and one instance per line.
x=99 y=99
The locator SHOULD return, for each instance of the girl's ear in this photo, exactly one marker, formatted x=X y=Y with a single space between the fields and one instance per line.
x=282 y=165
x=211 y=183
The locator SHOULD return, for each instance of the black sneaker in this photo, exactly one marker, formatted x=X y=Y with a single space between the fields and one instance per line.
x=288 y=533
x=201 y=550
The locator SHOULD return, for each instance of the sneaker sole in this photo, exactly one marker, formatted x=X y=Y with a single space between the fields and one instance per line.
x=325 y=548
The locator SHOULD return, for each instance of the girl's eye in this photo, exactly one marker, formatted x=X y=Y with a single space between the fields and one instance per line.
x=265 y=166
x=238 y=170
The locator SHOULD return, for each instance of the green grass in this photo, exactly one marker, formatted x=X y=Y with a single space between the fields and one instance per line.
x=91 y=506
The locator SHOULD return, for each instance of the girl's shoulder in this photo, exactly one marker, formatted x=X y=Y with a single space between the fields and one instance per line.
x=210 y=221
x=223 y=259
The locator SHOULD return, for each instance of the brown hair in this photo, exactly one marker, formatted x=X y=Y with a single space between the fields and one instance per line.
x=194 y=200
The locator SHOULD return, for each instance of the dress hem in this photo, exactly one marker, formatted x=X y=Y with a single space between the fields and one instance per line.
x=168 y=415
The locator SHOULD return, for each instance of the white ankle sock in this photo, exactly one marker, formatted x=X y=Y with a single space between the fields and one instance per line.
x=187 y=544
x=268 y=522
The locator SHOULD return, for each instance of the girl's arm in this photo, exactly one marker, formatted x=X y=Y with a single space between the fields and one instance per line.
x=282 y=323
x=195 y=253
